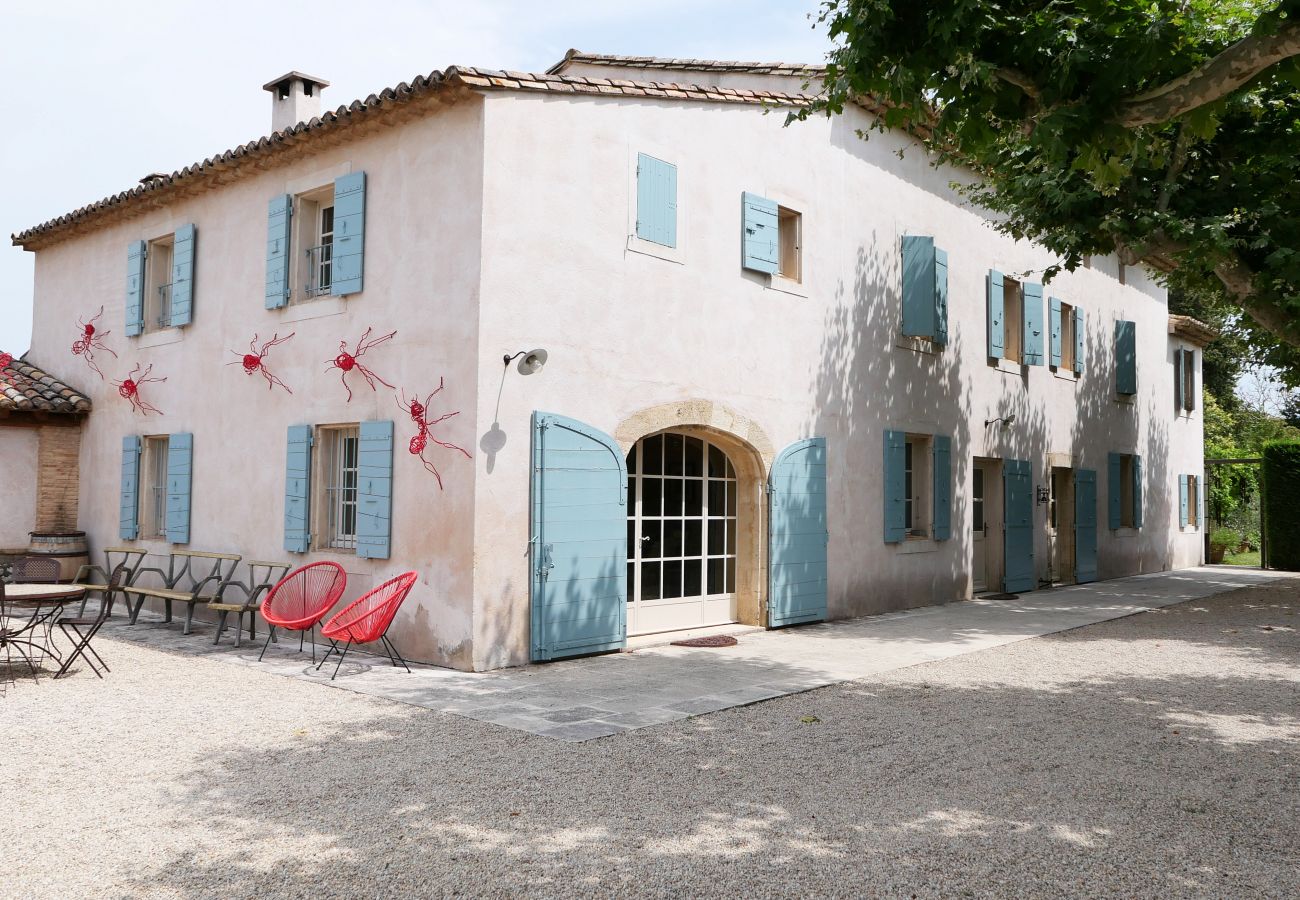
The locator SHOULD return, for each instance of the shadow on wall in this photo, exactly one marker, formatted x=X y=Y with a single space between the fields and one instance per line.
x=864 y=385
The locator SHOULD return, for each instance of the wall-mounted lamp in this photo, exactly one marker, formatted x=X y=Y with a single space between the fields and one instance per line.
x=1043 y=495
x=532 y=361
x=1005 y=420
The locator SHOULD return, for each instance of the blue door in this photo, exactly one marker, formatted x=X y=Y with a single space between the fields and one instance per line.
x=1085 y=525
x=1018 y=531
x=797 y=535
x=579 y=540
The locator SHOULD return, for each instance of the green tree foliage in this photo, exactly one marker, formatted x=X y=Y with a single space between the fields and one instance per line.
x=1282 y=503
x=1166 y=131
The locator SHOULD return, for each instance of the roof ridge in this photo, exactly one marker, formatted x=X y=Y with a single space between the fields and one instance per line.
x=687 y=64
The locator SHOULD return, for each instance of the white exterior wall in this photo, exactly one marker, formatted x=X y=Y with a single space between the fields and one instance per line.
x=18 y=451
x=421 y=278
x=627 y=331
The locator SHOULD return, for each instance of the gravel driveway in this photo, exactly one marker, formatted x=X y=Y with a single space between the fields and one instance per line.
x=1157 y=755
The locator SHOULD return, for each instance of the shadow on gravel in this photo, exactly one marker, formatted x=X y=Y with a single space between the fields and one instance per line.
x=1150 y=771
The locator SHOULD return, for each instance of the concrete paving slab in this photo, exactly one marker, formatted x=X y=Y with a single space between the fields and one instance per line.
x=578 y=700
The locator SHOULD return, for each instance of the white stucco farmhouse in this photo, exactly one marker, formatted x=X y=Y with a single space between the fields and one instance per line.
x=788 y=374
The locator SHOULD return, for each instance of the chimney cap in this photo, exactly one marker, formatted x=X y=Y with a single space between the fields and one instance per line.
x=275 y=83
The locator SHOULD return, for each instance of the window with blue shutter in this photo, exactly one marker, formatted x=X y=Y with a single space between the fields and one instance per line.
x=1032 y=304
x=1178 y=379
x=1085 y=525
x=1137 y=491
x=348 y=253
x=941 y=470
x=375 y=489
x=183 y=249
x=1114 y=491
x=1054 y=326
x=656 y=201
x=1125 y=358
x=297 y=489
x=1182 y=501
x=895 y=486
x=1078 y=339
x=996 y=307
x=180 y=462
x=277 y=251
x=129 y=509
x=135 y=256
x=759 y=234
x=925 y=289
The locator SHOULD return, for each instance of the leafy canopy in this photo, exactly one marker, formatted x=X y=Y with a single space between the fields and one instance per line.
x=1166 y=131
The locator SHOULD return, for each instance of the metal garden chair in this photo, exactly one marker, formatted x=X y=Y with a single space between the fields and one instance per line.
x=35 y=570
x=72 y=626
x=11 y=638
x=301 y=599
x=367 y=618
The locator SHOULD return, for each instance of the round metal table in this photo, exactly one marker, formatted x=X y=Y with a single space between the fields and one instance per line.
x=44 y=602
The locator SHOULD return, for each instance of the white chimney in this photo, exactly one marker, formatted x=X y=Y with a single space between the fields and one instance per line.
x=295 y=98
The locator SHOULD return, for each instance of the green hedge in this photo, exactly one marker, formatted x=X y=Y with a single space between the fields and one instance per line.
x=1281 y=471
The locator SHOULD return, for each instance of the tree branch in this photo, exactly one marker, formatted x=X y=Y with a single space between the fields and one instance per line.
x=1212 y=79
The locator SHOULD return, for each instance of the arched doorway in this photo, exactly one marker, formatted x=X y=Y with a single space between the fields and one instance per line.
x=685 y=508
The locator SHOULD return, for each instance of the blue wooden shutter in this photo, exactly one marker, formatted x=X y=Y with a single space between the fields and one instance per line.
x=1085 y=525
x=996 y=310
x=941 y=469
x=1178 y=379
x=1018 y=526
x=135 y=256
x=1114 y=491
x=1032 y=303
x=919 y=293
x=348 y=253
x=375 y=489
x=1054 y=327
x=180 y=467
x=277 y=251
x=797 y=535
x=128 y=521
x=1125 y=358
x=183 y=247
x=656 y=201
x=759 y=227
x=579 y=540
x=940 y=296
x=1182 y=501
x=297 y=489
x=1137 y=491
x=1078 y=340
x=895 y=486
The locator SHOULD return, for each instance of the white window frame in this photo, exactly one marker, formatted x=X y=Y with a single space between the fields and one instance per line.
x=918 y=484
x=157 y=283
x=1194 y=502
x=789 y=228
x=1066 y=364
x=153 y=486
x=335 y=487
x=307 y=241
x=1013 y=321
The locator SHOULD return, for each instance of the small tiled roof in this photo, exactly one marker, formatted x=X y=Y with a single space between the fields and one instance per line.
x=797 y=70
x=204 y=174
x=25 y=388
x=1193 y=330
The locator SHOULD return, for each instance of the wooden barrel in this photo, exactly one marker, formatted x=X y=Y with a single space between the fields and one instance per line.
x=67 y=547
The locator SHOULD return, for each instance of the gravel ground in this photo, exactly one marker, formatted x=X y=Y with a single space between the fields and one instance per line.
x=1157 y=755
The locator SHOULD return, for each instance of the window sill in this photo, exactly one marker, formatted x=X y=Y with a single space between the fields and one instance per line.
x=1008 y=367
x=1125 y=531
x=1065 y=374
x=917 y=344
x=917 y=544
x=316 y=308
x=659 y=251
x=1190 y=529
x=1126 y=399
x=787 y=286
x=159 y=338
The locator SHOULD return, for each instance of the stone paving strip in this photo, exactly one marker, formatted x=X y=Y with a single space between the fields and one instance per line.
x=582 y=699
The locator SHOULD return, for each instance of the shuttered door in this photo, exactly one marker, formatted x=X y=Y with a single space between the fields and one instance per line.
x=797 y=535
x=1018 y=536
x=579 y=539
x=1085 y=525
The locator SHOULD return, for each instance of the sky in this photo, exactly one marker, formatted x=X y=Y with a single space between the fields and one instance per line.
x=97 y=95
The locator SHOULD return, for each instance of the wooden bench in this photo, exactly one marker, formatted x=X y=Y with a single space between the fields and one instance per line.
x=192 y=577
x=262 y=576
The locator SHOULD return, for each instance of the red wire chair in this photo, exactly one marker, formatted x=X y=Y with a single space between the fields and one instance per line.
x=367 y=618
x=301 y=599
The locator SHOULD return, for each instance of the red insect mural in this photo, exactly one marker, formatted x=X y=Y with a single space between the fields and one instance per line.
x=345 y=362
x=90 y=341
x=255 y=359
x=418 y=411
x=129 y=389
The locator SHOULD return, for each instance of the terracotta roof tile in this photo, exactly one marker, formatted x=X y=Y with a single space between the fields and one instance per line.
x=1193 y=330
x=796 y=70
x=25 y=388
x=456 y=77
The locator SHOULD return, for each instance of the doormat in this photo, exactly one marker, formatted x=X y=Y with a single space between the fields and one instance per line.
x=715 y=640
x=1000 y=597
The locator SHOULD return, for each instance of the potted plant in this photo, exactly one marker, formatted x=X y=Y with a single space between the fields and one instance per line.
x=1220 y=540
